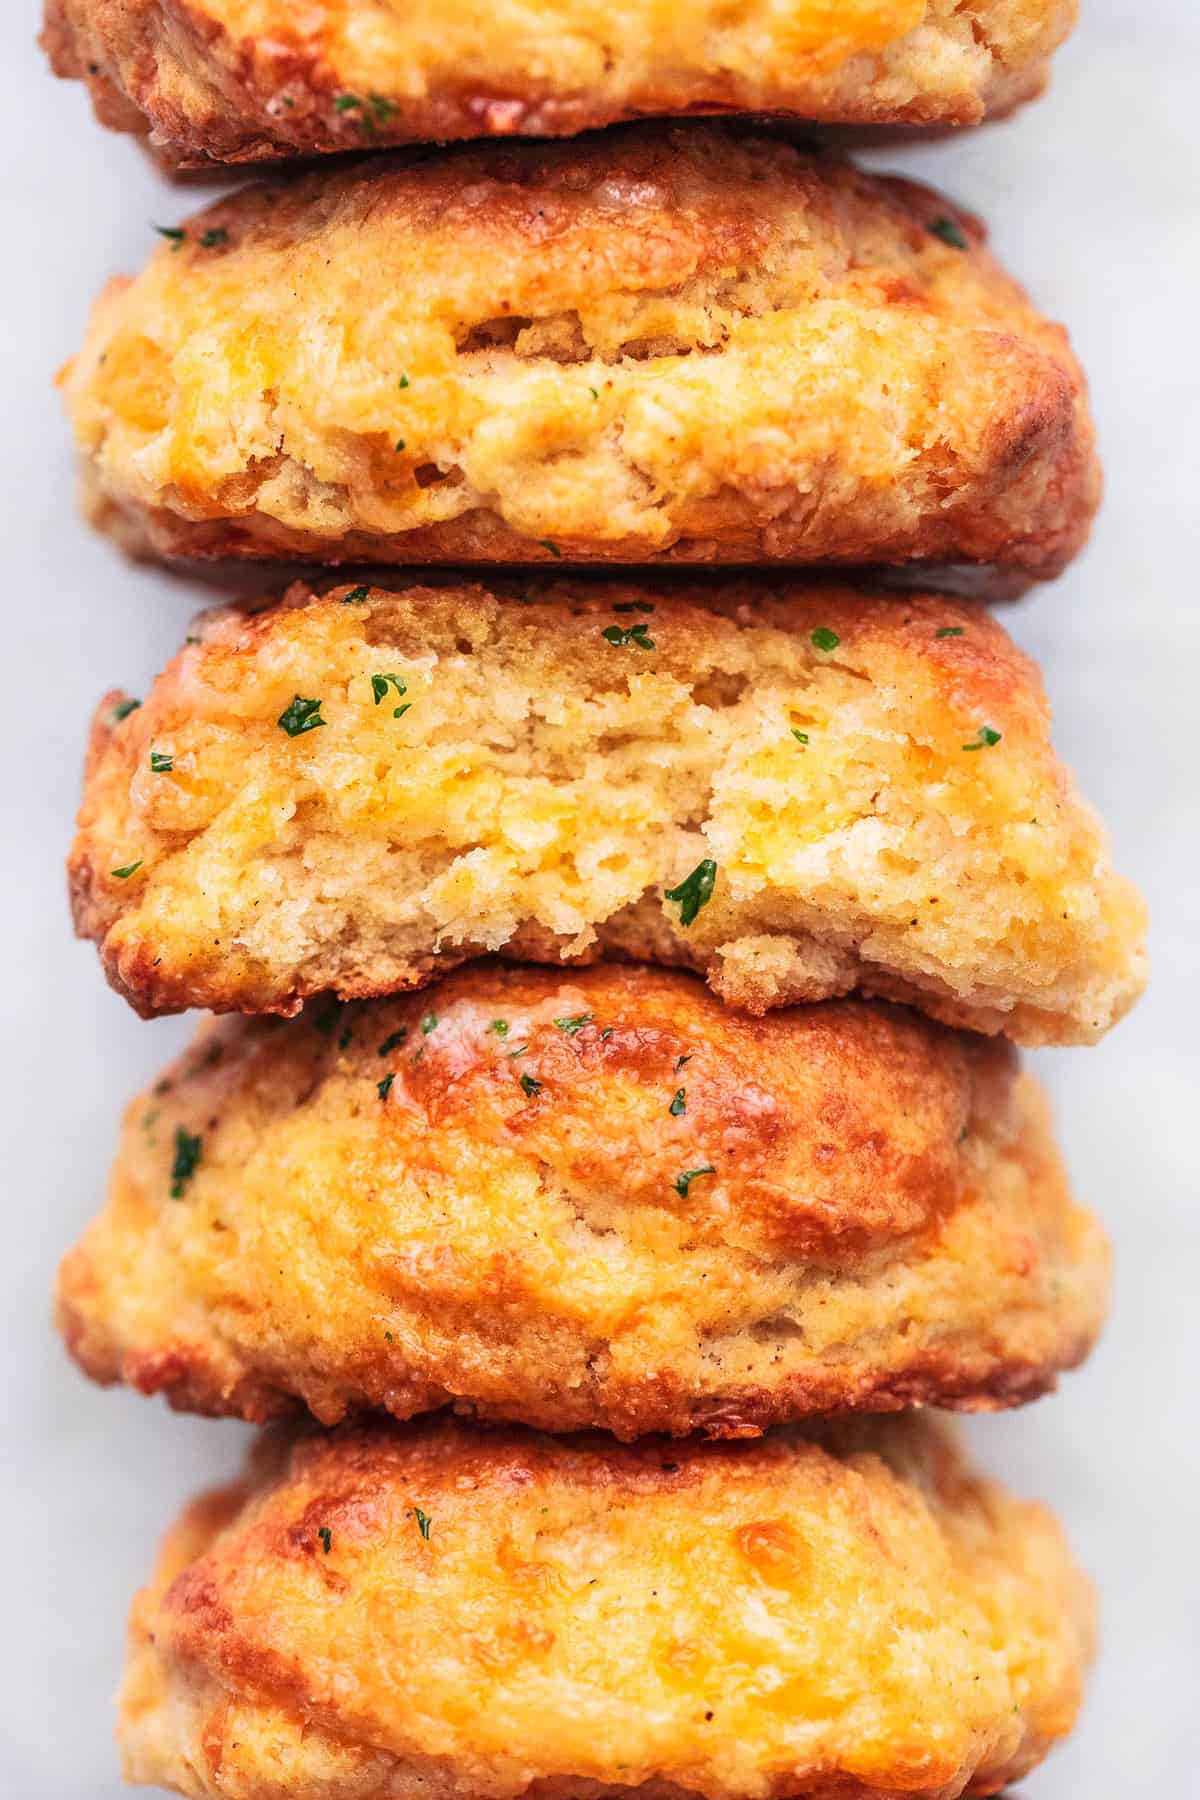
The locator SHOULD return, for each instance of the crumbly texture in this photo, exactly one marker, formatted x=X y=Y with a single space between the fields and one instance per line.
x=400 y=1613
x=491 y=771
x=480 y=1195
x=694 y=345
x=244 y=80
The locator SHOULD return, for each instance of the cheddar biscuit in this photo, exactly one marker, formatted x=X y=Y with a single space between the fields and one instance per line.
x=682 y=345
x=243 y=80
x=798 y=792
x=424 y=1612
x=587 y=1199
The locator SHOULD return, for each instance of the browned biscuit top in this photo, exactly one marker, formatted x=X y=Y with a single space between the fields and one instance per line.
x=663 y=344
x=835 y=1613
x=593 y=1198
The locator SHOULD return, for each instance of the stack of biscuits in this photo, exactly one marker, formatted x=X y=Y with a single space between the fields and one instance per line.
x=627 y=855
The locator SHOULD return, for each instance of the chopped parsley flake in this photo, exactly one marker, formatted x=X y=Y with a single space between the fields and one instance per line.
x=530 y=1087
x=428 y=1023
x=161 y=763
x=694 y=891
x=383 y=1088
x=123 y=708
x=391 y=1042
x=379 y=687
x=326 y=1537
x=678 y=1105
x=175 y=235
x=403 y=382
x=300 y=715
x=683 y=1182
x=635 y=634
x=214 y=237
x=987 y=737
x=574 y=1024
x=357 y=593
x=801 y=737
x=632 y=606
x=399 y=444
x=824 y=639
x=552 y=548
x=520 y=1050
x=500 y=1027
x=346 y=103
x=950 y=233
x=127 y=871
x=950 y=631
x=679 y=1062
x=594 y=392
x=424 y=1523
x=187 y=1159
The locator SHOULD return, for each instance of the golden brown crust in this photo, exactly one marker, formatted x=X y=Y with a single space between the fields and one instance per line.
x=246 y=80
x=539 y=787
x=392 y=1613
x=474 y=1196
x=663 y=345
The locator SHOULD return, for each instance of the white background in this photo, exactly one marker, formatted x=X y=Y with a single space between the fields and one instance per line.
x=1092 y=199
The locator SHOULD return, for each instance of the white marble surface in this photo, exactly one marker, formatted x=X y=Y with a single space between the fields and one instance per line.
x=1092 y=197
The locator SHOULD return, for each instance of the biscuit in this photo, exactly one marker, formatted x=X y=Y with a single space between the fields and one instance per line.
x=663 y=345
x=798 y=792
x=587 y=1199
x=833 y=1613
x=244 y=80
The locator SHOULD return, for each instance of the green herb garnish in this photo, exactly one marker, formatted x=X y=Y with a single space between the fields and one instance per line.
x=358 y=593
x=986 y=738
x=379 y=687
x=801 y=737
x=326 y=1537
x=424 y=1523
x=428 y=1023
x=824 y=639
x=552 y=548
x=530 y=1087
x=300 y=715
x=187 y=1159
x=500 y=1027
x=678 y=1105
x=635 y=634
x=694 y=891
x=383 y=1088
x=123 y=708
x=683 y=1182
x=574 y=1024
x=632 y=606
x=390 y=1043
x=950 y=233
x=214 y=237
x=950 y=631
x=161 y=763
x=127 y=871
x=175 y=235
